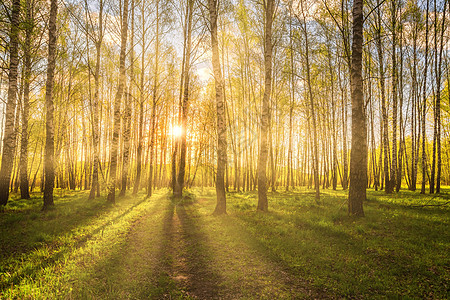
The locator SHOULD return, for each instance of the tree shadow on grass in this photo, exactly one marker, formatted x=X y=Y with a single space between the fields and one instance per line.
x=57 y=249
x=182 y=266
x=203 y=280
x=421 y=204
x=164 y=285
x=176 y=268
x=125 y=270
x=30 y=228
x=335 y=248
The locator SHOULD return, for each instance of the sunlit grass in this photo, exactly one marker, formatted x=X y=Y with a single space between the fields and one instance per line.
x=140 y=248
x=45 y=253
x=396 y=250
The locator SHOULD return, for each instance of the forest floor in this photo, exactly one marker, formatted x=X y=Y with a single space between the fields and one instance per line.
x=160 y=248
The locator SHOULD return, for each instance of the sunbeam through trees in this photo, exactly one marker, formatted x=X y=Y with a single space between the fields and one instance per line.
x=254 y=108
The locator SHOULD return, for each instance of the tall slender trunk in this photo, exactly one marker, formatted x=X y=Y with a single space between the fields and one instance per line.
x=14 y=186
x=272 y=160
x=387 y=185
x=95 y=186
x=333 y=125
x=263 y=204
x=291 y=102
x=312 y=110
x=414 y=107
x=343 y=91
x=127 y=113
x=424 y=107
x=358 y=158
x=437 y=119
x=289 y=178
x=435 y=102
x=347 y=58
x=220 y=107
x=178 y=192
x=154 y=103
x=402 y=136
x=117 y=101
x=376 y=173
x=176 y=140
x=393 y=171
x=344 y=139
x=152 y=147
x=49 y=167
x=137 y=181
x=9 y=136
x=24 y=188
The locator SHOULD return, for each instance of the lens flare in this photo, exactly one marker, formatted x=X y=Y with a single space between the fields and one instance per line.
x=177 y=131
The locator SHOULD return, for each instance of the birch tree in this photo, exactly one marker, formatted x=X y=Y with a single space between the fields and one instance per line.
x=49 y=156
x=263 y=204
x=117 y=102
x=358 y=158
x=9 y=135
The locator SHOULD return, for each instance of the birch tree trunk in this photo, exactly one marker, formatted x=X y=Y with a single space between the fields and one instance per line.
x=49 y=155
x=221 y=206
x=358 y=158
x=289 y=178
x=424 y=107
x=415 y=102
x=137 y=181
x=387 y=185
x=437 y=119
x=313 y=111
x=263 y=204
x=154 y=103
x=117 y=100
x=127 y=113
x=402 y=135
x=393 y=171
x=9 y=136
x=95 y=186
x=178 y=192
x=24 y=188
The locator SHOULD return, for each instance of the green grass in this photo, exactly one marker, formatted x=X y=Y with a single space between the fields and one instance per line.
x=43 y=253
x=396 y=250
x=176 y=249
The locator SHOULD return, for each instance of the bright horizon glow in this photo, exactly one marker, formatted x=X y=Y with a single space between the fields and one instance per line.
x=176 y=131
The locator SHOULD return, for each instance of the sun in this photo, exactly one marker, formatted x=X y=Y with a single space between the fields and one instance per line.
x=177 y=131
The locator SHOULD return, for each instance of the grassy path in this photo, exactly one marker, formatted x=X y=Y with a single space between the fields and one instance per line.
x=124 y=271
x=176 y=251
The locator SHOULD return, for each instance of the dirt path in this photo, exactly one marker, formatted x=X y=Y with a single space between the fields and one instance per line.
x=177 y=252
x=183 y=262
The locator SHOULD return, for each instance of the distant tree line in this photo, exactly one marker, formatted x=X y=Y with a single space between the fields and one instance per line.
x=125 y=95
